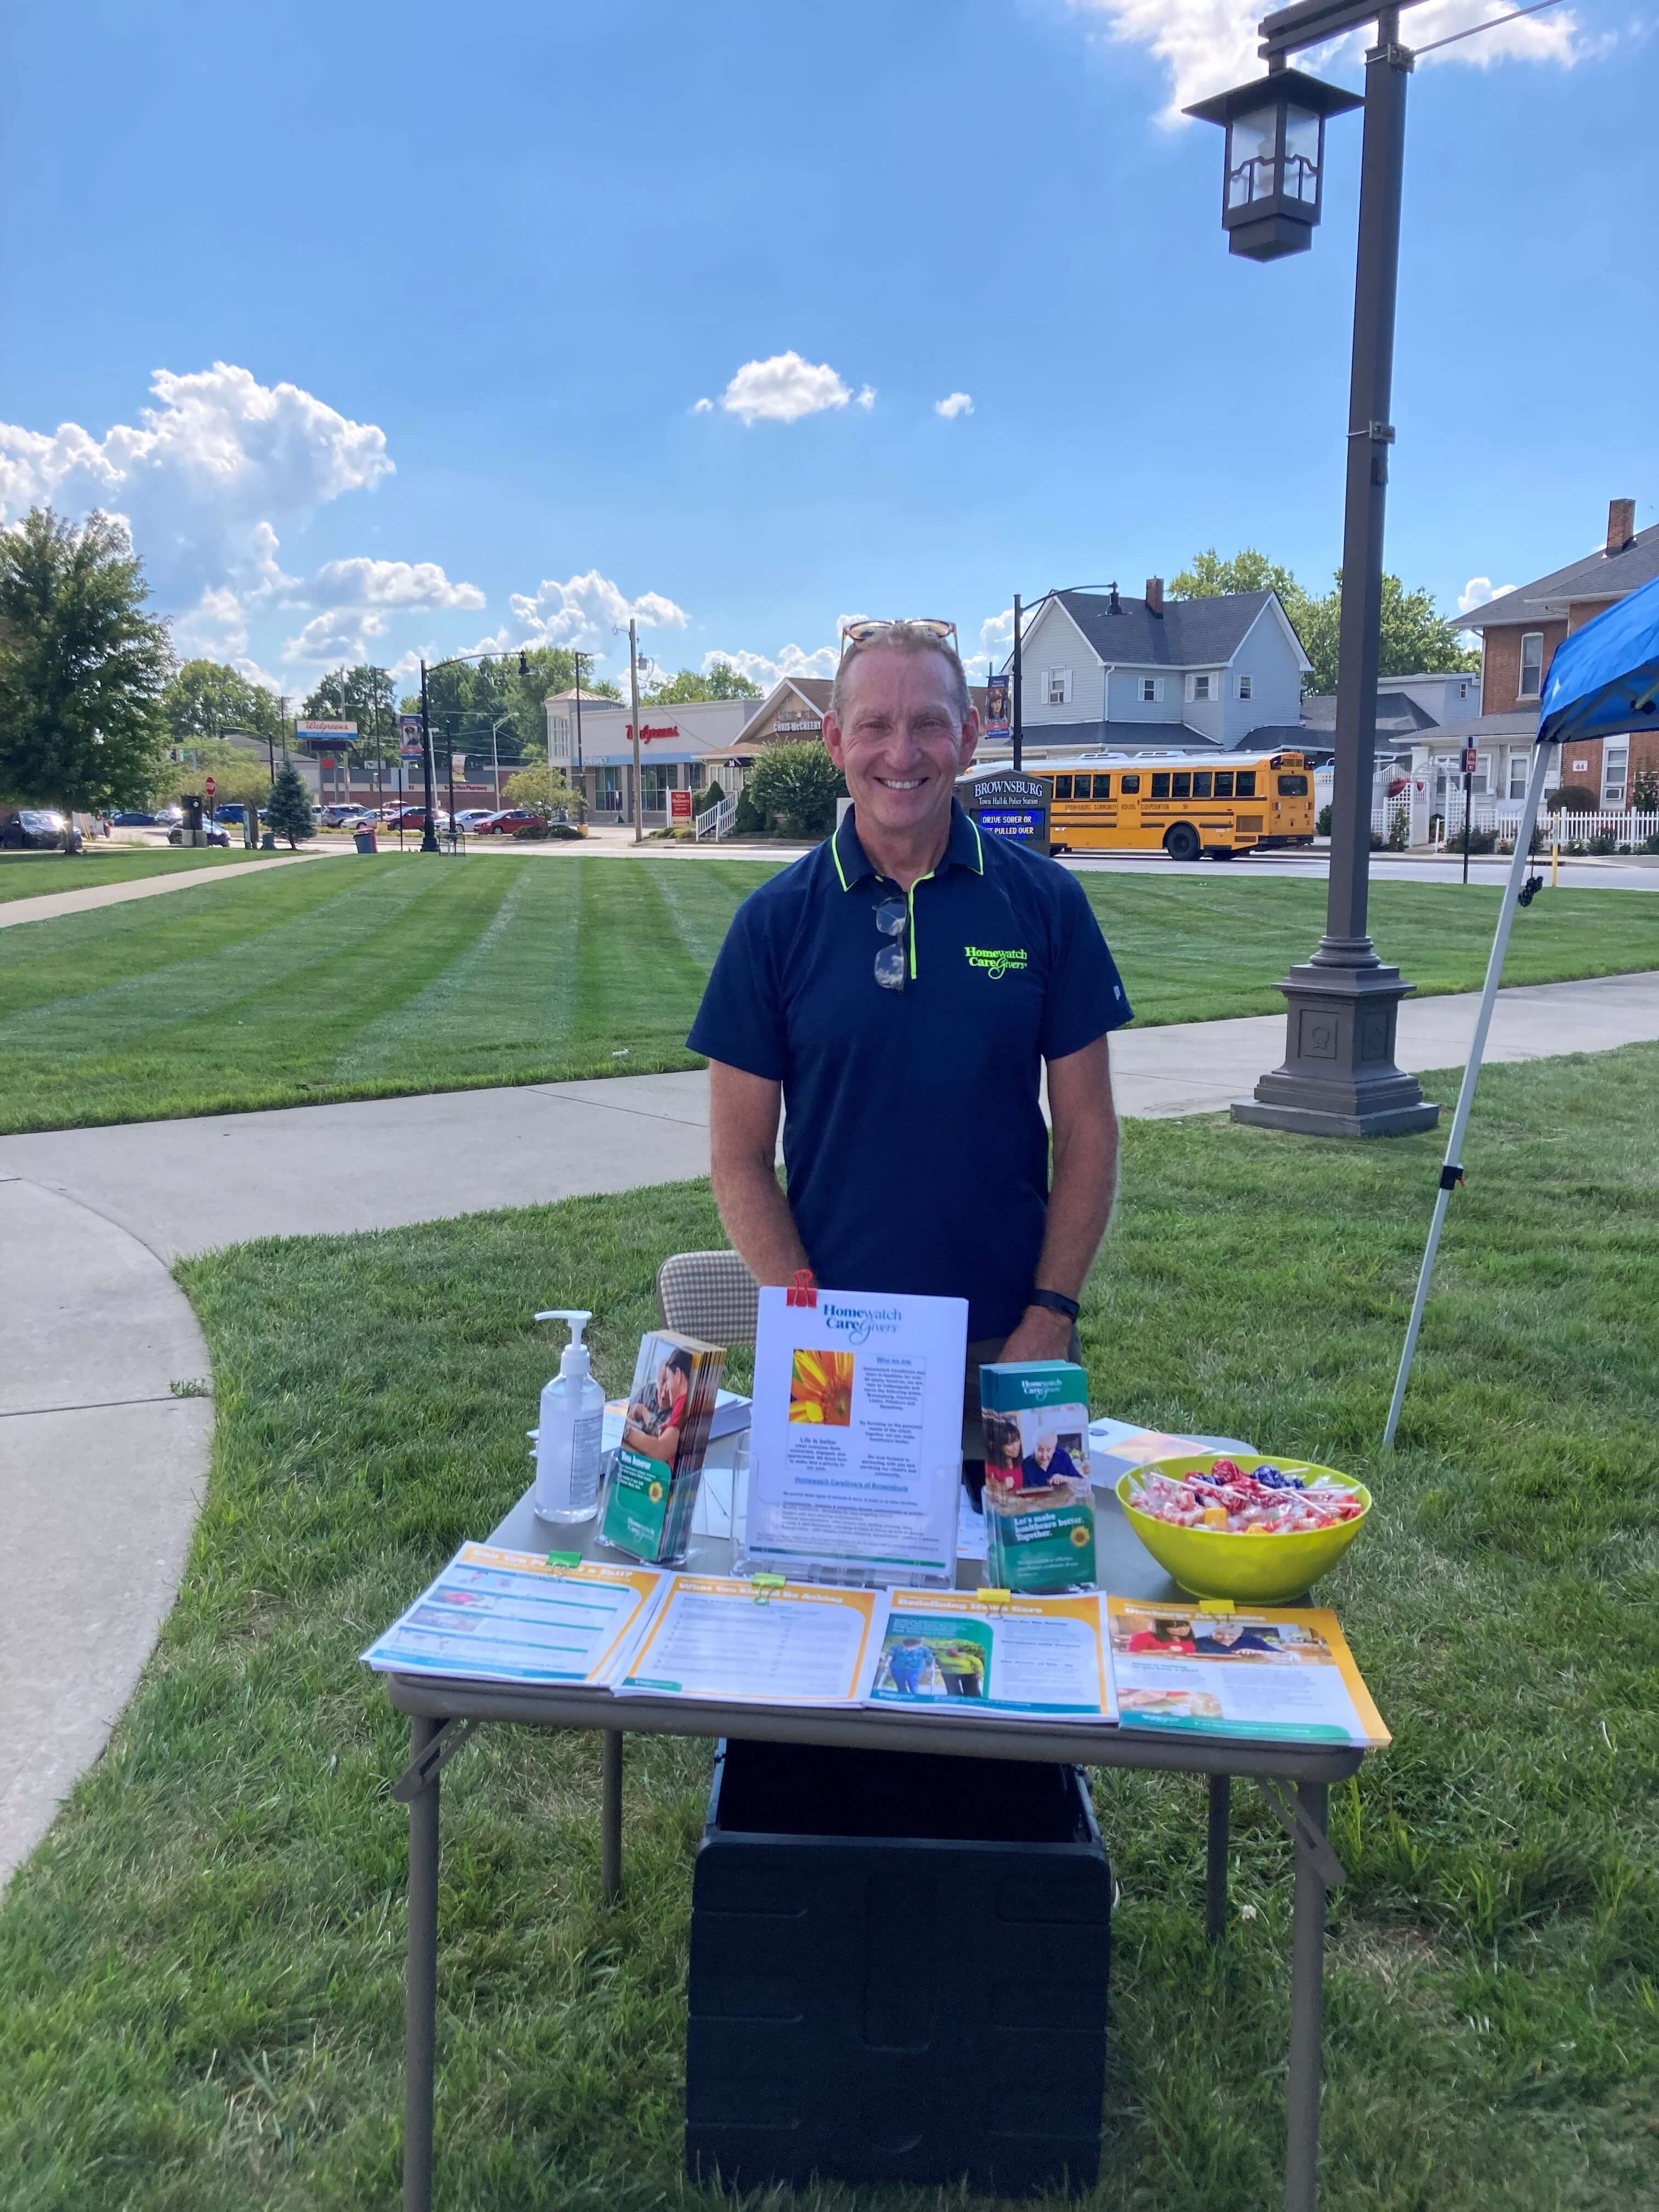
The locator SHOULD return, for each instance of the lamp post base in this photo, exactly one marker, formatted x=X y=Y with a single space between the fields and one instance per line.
x=1339 y=1077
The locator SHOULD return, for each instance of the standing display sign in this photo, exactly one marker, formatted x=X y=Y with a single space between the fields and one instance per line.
x=679 y=806
x=856 y=1436
x=1010 y=807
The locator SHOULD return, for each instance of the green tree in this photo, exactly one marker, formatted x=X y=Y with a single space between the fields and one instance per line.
x=243 y=777
x=363 y=695
x=289 y=805
x=1415 y=638
x=722 y=681
x=82 y=666
x=795 y=786
x=538 y=790
x=1644 y=793
x=205 y=697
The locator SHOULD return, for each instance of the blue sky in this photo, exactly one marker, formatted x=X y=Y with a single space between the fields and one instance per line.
x=420 y=302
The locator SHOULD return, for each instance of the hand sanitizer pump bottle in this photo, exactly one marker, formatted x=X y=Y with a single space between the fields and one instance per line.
x=572 y=1428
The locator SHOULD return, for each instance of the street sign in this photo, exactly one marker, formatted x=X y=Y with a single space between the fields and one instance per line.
x=209 y=786
x=1470 y=758
x=1010 y=807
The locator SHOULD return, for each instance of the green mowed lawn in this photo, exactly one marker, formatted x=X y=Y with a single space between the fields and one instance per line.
x=201 y=1995
x=33 y=875
x=397 y=974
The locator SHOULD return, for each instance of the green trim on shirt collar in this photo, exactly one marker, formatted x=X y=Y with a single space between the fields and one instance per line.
x=965 y=849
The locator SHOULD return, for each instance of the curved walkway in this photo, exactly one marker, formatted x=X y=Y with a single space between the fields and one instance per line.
x=50 y=904
x=94 y=1328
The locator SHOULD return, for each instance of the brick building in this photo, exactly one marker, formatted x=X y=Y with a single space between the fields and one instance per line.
x=1519 y=633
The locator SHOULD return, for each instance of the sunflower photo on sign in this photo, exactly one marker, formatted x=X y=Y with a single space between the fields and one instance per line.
x=821 y=1389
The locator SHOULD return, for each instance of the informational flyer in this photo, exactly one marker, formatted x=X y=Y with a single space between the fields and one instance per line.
x=1288 y=1675
x=961 y=1652
x=715 y=1636
x=495 y=1616
x=856 y=1435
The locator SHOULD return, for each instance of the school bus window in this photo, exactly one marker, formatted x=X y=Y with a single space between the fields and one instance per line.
x=1103 y=786
x=1062 y=787
x=1247 y=783
x=1160 y=786
x=1183 y=785
x=1201 y=784
x=1130 y=785
x=1224 y=783
x=1293 y=786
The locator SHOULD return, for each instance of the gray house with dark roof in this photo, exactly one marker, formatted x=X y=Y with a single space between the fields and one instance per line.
x=1105 y=673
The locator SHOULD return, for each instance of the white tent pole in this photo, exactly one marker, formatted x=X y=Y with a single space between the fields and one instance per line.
x=1451 y=1173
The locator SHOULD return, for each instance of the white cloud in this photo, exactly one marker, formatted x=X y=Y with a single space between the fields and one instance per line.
x=343 y=634
x=585 y=612
x=783 y=388
x=361 y=582
x=760 y=668
x=702 y=407
x=1208 y=45
x=200 y=474
x=1480 y=591
x=952 y=404
x=866 y=399
x=996 y=634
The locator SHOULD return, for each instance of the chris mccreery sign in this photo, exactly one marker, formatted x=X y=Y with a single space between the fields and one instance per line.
x=1010 y=807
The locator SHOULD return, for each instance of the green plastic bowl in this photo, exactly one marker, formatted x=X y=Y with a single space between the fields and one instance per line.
x=1218 y=1562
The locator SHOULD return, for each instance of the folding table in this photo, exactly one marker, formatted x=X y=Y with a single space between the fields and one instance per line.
x=1294 y=1778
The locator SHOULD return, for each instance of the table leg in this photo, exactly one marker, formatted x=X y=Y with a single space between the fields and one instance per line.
x=1307 y=2006
x=421 y=2019
x=611 y=1782
x=1215 y=1871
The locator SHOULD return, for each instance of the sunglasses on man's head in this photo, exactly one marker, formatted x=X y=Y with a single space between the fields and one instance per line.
x=861 y=633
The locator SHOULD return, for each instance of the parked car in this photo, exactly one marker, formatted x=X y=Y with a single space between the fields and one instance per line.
x=36 y=829
x=473 y=818
x=213 y=833
x=132 y=820
x=509 y=819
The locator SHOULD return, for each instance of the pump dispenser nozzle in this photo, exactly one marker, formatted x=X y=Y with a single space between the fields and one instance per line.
x=574 y=1315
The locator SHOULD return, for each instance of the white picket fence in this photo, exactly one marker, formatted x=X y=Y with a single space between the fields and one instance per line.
x=1415 y=819
x=715 y=821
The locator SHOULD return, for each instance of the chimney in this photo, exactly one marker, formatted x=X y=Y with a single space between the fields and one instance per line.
x=1621 y=525
x=1154 y=595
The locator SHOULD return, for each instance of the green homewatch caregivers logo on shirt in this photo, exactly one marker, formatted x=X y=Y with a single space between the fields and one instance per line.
x=995 y=960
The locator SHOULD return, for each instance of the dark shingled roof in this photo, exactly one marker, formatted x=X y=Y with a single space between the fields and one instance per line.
x=1599 y=575
x=1396 y=715
x=1118 y=737
x=1188 y=633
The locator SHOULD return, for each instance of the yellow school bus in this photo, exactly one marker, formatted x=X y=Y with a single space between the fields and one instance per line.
x=1184 y=803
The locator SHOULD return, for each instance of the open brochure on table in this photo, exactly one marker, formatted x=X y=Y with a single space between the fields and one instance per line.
x=959 y=1652
x=1258 y=1672
x=766 y=1642
x=495 y=1616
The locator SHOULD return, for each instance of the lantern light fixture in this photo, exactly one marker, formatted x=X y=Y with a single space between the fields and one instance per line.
x=1275 y=159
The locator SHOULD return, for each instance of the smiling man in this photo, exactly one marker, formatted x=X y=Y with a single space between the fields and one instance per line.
x=900 y=991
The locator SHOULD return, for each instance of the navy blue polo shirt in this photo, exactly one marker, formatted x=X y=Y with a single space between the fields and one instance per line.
x=915 y=1143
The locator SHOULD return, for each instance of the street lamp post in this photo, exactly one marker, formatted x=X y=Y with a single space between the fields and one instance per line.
x=428 y=834
x=581 y=780
x=1339 y=1077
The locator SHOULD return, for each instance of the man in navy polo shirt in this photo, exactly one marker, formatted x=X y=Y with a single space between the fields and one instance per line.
x=900 y=991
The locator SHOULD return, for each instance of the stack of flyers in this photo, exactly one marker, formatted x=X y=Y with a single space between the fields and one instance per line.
x=969 y=1653
x=1245 y=1671
x=498 y=1616
x=665 y=1433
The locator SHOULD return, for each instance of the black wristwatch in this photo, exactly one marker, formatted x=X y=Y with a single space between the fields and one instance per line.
x=1055 y=1302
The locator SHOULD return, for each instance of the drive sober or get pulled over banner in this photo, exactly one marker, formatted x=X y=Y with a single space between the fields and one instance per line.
x=1010 y=807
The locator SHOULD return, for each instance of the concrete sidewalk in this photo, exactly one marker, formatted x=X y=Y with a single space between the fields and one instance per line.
x=50 y=904
x=96 y=1330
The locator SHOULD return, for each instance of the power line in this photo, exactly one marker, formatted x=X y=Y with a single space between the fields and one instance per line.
x=1492 y=24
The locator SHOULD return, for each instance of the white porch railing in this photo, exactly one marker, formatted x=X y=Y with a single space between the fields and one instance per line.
x=715 y=821
x=1623 y=828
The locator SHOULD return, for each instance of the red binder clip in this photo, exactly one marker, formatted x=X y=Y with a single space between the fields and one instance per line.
x=803 y=1291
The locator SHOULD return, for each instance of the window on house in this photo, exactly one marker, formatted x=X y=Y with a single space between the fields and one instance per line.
x=1200 y=686
x=1224 y=783
x=1103 y=786
x=1531 y=664
x=1615 y=770
x=1152 y=690
x=1160 y=787
x=1130 y=786
x=1518 y=767
x=1062 y=787
x=1245 y=786
x=1060 y=687
x=1245 y=687
x=1481 y=779
x=1201 y=784
x=1462 y=691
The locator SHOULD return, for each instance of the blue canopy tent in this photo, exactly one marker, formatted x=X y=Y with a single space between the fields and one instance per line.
x=1603 y=682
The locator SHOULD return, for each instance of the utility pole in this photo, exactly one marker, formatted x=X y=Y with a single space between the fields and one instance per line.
x=634 y=690
x=1018 y=724
x=428 y=834
x=449 y=740
x=496 y=758
x=581 y=784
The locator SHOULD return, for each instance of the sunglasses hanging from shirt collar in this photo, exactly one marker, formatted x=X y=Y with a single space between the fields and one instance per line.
x=892 y=920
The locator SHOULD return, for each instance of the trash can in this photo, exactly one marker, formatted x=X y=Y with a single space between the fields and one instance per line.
x=268 y=842
x=898 y=1972
x=365 y=841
